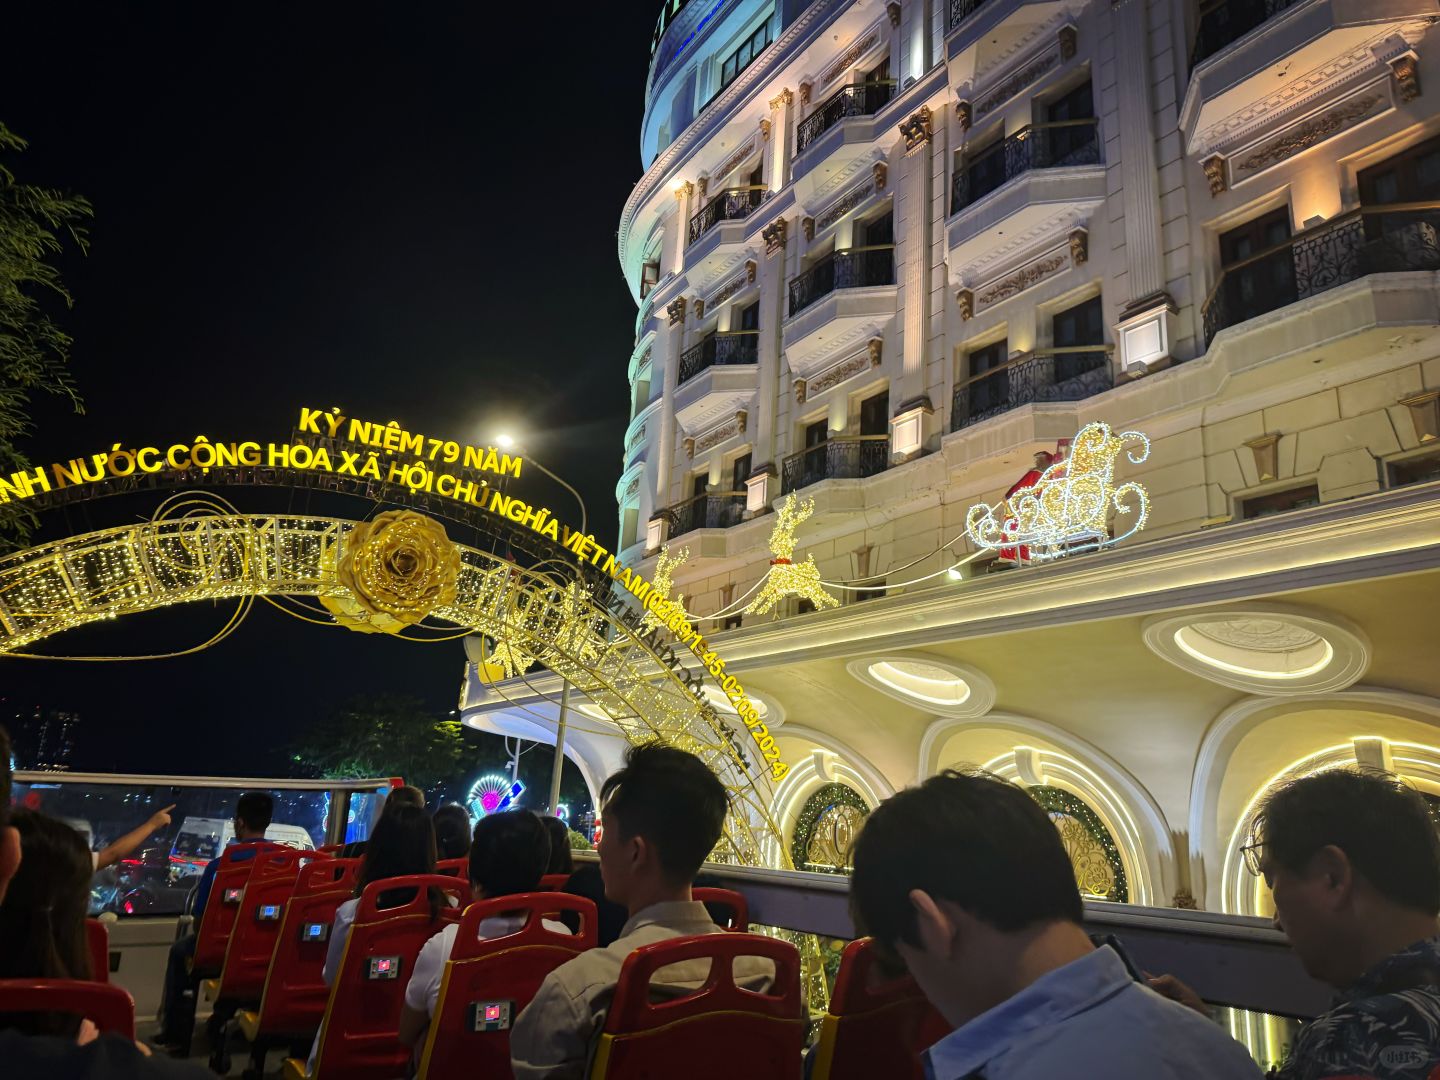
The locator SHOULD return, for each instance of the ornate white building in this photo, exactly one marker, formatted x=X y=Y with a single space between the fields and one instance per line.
x=884 y=253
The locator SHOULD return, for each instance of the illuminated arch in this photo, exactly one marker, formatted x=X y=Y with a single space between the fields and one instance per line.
x=817 y=759
x=1037 y=754
x=829 y=806
x=103 y=575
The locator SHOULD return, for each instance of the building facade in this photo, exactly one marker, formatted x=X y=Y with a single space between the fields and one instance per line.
x=886 y=253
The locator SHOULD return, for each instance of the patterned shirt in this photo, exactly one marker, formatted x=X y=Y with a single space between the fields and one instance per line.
x=1384 y=1027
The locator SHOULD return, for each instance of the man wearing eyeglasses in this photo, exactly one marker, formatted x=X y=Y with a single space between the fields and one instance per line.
x=1352 y=859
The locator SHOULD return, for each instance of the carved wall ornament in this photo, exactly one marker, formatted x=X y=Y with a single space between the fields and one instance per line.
x=684 y=191
x=859 y=49
x=1303 y=136
x=689 y=445
x=835 y=375
x=1009 y=87
x=893 y=10
x=1265 y=450
x=633 y=486
x=716 y=435
x=1025 y=278
x=736 y=160
x=804 y=93
x=843 y=205
x=726 y=293
x=702 y=186
x=874 y=347
x=1407 y=76
x=699 y=307
x=750 y=267
x=808 y=225
x=1425 y=412
x=966 y=299
x=765 y=130
x=1068 y=39
x=676 y=310
x=1214 y=167
x=742 y=420
x=1185 y=901
x=964 y=115
x=785 y=97
x=800 y=391
x=774 y=236
x=879 y=171
x=1079 y=247
x=917 y=129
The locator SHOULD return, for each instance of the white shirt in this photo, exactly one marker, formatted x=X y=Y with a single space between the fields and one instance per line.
x=339 y=934
x=423 y=989
x=553 y=1037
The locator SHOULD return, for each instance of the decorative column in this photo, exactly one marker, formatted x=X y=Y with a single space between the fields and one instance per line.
x=760 y=487
x=666 y=436
x=1146 y=327
x=912 y=273
x=782 y=133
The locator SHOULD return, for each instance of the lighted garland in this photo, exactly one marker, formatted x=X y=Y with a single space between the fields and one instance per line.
x=1057 y=801
x=816 y=806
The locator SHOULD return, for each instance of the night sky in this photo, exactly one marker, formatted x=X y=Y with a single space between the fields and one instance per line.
x=405 y=210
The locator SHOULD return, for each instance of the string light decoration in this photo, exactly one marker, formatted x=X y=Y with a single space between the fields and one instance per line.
x=1099 y=870
x=837 y=804
x=662 y=581
x=785 y=576
x=1067 y=510
x=492 y=794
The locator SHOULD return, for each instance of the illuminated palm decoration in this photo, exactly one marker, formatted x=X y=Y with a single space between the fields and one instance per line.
x=785 y=576
x=491 y=794
x=1067 y=510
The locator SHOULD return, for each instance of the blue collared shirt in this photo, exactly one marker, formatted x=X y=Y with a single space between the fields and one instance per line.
x=1089 y=1019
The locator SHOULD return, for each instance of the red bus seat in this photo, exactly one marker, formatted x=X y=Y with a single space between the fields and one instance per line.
x=762 y=1034
x=97 y=939
x=108 y=1007
x=458 y=867
x=876 y=1026
x=360 y=1035
x=497 y=972
x=293 y=1001
x=257 y=926
x=218 y=919
x=330 y=849
x=737 y=910
x=553 y=882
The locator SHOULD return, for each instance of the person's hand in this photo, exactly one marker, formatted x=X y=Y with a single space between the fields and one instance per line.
x=1171 y=987
x=161 y=818
x=88 y=1033
x=145 y=1051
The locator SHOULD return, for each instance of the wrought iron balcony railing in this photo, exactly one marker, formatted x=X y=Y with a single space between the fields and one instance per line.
x=1370 y=240
x=1036 y=146
x=960 y=10
x=842 y=457
x=732 y=204
x=1224 y=21
x=857 y=99
x=1061 y=374
x=713 y=510
x=737 y=347
x=849 y=269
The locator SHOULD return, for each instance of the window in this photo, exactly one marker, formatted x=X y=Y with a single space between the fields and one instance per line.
x=698 y=483
x=629 y=528
x=649 y=277
x=880 y=73
x=879 y=231
x=1411 y=176
x=732 y=622
x=1074 y=133
x=875 y=414
x=1278 y=502
x=1256 y=282
x=642 y=397
x=990 y=386
x=739 y=472
x=804 y=607
x=1075 y=328
x=741 y=58
x=1415 y=470
x=748 y=317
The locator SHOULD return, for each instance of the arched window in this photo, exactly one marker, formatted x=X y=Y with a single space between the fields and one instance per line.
x=1099 y=871
x=824 y=837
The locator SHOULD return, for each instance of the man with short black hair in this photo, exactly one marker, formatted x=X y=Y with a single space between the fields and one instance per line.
x=661 y=815
x=106 y=1057
x=964 y=879
x=1352 y=858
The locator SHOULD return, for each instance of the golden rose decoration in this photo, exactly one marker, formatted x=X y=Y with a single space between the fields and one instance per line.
x=398 y=568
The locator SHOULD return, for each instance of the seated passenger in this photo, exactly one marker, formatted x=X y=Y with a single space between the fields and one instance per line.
x=965 y=880
x=403 y=843
x=561 y=861
x=42 y=918
x=398 y=797
x=452 y=832
x=508 y=856
x=662 y=815
x=1352 y=858
x=587 y=882
x=100 y=1056
x=253 y=812
x=112 y=853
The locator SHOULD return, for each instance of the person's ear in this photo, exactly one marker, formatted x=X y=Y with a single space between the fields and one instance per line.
x=9 y=857
x=936 y=928
x=1331 y=867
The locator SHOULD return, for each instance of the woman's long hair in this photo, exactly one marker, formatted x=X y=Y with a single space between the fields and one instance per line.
x=42 y=919
x=403 y=843
x=561 y=861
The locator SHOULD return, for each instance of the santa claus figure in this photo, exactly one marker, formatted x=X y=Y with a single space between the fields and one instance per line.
x=1020 y=554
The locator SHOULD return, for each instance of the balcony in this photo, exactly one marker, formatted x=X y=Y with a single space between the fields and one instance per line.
x=960 y=10
x=1036 y=146
x=1371 y=240
x=852 y=269
x=713 y=510
x=1224 y=21
x=739 y=347
x=844 y=457
x=1062 y=374
x=732 y=204
x=859 y=99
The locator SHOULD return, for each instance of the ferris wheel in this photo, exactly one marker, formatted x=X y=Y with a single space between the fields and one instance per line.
x=491 y=794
